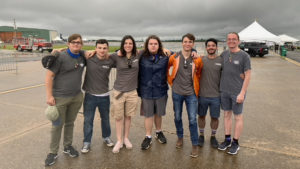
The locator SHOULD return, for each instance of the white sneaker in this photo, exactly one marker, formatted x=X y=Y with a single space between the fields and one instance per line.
x=86 y=147
x=108 y=142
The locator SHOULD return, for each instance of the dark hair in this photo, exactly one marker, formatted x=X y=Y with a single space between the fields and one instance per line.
x=235 y=34
x=160 y=47
x=123 y=43
x=74 y=37
x=211 y=40
x=190 y=36
x=102 y=41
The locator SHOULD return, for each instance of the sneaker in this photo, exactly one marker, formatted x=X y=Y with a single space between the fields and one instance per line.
x=86 y=147
x=50 y=160
x=179 y=143
x=117 y=147
x=108 y=142
x=146 y=143
x=71 y=151
x=127 y=143
x=214 y=142
x=224 y=145
x=234 y=148
x=194 y=152
x=201 y=141
x=161 y=137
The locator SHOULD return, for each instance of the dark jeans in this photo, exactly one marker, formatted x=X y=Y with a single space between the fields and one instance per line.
x=191 y=103
x=89 y=108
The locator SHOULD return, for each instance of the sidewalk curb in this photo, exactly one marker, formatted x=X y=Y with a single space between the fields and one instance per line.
x=288 y=59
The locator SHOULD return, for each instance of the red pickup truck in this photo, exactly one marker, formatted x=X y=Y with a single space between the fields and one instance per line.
x=31 y=44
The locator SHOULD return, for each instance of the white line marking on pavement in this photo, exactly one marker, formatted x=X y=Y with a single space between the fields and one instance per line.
x=23 y=88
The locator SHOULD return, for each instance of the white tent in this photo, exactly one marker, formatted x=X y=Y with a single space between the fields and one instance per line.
x=256 y=33
x=286 y=38
x=57 y=39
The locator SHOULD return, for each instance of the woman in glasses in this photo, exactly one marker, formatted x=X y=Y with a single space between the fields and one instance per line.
x=125 y=97
x=153 y=88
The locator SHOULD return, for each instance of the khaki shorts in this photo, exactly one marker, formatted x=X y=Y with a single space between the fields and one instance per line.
x=124 y=104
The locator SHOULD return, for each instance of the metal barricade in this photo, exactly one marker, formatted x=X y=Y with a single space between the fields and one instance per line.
x=8 y=62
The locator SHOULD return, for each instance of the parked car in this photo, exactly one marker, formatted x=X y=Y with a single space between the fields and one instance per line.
x=254 y=48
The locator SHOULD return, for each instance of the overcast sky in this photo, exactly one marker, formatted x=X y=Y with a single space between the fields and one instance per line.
x=140 y=18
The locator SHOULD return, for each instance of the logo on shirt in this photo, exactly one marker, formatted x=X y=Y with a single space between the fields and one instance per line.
x=236 y=62
x=135 y=60
x=218 y=64
x=105 y=67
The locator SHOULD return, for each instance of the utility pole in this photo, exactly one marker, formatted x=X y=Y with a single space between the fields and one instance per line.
x=15 y=28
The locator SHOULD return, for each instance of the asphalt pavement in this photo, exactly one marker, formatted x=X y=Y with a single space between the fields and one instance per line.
x=270 y=139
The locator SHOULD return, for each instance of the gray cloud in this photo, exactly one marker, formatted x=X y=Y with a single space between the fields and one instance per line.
x=166 y=18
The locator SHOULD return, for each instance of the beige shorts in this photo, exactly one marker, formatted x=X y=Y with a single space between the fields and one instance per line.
x=124 y=104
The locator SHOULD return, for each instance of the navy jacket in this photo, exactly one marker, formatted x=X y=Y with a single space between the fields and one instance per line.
x=153 y=77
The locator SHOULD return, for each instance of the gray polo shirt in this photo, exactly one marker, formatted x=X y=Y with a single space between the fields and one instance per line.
x=183 y=82
x=97 y=75
x=231 y=82
x=210 y=77
x=127 y=78
x=68 y=75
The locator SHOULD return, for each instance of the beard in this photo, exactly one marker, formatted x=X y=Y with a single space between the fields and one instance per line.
x=211 y=52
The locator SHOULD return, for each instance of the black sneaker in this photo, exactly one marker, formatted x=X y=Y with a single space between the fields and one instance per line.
x=50 y=160
x=234 y=148
x=214 y=142
x=146 y=143
x=224 y=145
x=201 y=141
x=71 y=151
x=161 y=137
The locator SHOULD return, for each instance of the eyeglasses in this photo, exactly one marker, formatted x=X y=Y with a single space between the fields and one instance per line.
x=232 y=40
x=76 y=43
x=129 y=63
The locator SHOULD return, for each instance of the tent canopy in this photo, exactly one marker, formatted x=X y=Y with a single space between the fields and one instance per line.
x=57 y=39
x=256 y=33
x=286 y=38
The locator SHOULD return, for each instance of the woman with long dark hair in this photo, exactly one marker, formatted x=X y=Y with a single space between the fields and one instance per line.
x=125 y=96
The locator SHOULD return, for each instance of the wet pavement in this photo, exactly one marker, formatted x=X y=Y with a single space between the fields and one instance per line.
x=271 y=136
x=295 y=55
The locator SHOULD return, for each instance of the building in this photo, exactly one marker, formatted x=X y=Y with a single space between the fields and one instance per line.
x=8 y=32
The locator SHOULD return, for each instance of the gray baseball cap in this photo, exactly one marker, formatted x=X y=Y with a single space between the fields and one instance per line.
x=52 y=113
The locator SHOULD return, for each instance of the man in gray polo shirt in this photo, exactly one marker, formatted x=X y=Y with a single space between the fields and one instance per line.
x=63 y=89
x=234 y=83
x=97 y=94
x=209 y=96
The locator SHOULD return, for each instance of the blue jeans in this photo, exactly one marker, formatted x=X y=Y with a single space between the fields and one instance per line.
x=191 y=103
x=89 y=108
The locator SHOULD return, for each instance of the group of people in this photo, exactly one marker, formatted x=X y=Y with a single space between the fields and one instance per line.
x=202 y=82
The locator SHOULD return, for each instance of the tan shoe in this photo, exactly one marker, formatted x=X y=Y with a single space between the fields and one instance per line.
x=194 y=152
x=117 y=147
x=179 y=143
x=127 y=143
